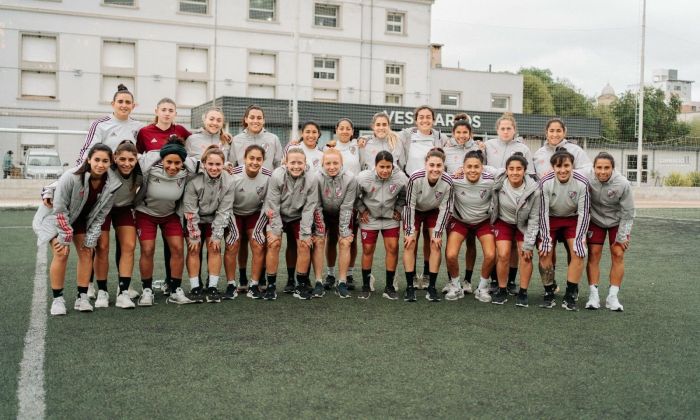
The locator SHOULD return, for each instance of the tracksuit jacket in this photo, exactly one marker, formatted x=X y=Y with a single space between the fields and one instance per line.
x=110 y=131
x=208 y=200
x=199 y=140
x=351 y=156
x=542 y=156
x=337 y=197
x=373 y=146
x=527 y=212
x=421 y=196
x=381 y=197
x=152 y=169
x=416 y=146
x=455 y=153
x=612 y=204
x=268 y=141
x=472 y=201
x=498 y=152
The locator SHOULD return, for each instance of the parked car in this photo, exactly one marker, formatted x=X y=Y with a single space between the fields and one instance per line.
x=43 y=164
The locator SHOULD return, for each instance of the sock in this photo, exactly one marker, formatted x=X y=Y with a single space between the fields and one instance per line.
x=351 y=270
x=365 y=277
x=522 y=292
x=502 y=290
x=390 y=278
x=57 y=293
x=483 y=283
x=82 y=290
x=468 y=276
x=175 y=283
x=303 y=279
x=263 y=281
x=342 y=280
x=242 y=275
x=255 y=282
x=330 y=271
x=231 y=281
x=426 y=267
x=102 y=285
x=410 y=276
x=169 y=282
x=494 y=275
x=124 y=283
x=571 y=288
x=194 y=282
x=433 y=280
x=271 y=279
x=593 y=287
x=290 y=273
x=213 y=281
x=613 y=290
x=147 y=283
x=549 y=290
x=512 y=274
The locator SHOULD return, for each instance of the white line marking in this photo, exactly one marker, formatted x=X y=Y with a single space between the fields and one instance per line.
x=669 y=219
x=30 y=389
x=16 y=227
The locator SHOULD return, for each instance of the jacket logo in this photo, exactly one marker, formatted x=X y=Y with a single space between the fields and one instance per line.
x=266 y=146
x=259 y=190
x=364 y=235
x=438 y=195
x=180 y=182
x=153 y=140
x=353 y=150
x=338 y=191
x=482 y=194
x=612 y=193
x=316 y=162
x=572 y=195
x=327 y=192
x=462 y=193
x=393 y=188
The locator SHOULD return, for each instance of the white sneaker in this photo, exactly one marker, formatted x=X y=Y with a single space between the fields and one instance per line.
x=467 y=287
x=124 y=301
x=133 y=294
x=58 y=306
x=146 y=297
x=455 y=292
x=593 y=299
x=102 y=299
x=482 y=295
x=446 y=289
x=178 y=296
x=91 y=291
x=82 y=303
x=371 y=282
x=613 y=303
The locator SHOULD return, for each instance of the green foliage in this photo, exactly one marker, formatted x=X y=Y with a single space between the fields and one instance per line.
x=694 y=128
x=536 y=96
x=607 y=120
x=570 y=102
x=543 y=95
x=675 y=179
x=694 y=179
x=660 y=118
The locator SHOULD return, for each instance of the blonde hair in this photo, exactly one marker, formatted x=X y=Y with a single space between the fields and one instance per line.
x=507 y=116
x=332 y=151
x=391 y=137
x=224 y=137
x=161 y=102
x=213 y=149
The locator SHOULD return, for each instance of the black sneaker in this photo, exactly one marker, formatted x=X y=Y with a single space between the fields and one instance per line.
x=432 y=295
x=270 y=292
x=329 y=283
x=350 y=284
x=549 y=301
x=390 y=293
x=493 y=287
x=230 y=293
x=197 y=295
x=512 y=289
x=500 y=297
x=569 y=303
x=410 y=294
x=254 y=292
x=342 y=290
x=521 y=301
x=365 y=293
x=302 y=292
x=213 y=295
x=289 y=288
x=319 y=290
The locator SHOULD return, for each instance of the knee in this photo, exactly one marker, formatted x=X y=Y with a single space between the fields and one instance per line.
x=617 y=254
x=489 y=255
x=392 y=248
x=274 y=246
x=451 y=255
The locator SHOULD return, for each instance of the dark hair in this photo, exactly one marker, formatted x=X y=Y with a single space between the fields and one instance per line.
x=475 y=154
x=519 y=157
x=122 y=89
x=462 y=120
x=174 y=146
x=422 y=107
x=554 y=120
x=247 y=111
x=604 y=155
x=307 y=123
x=348 y=120
x=384 y=155
x=129 y=147
x=98 y=147
x=435 y=152
x=254 y=147
x=560 y=155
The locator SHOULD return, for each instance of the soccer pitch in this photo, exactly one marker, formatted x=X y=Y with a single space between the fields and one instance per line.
x=350 y=358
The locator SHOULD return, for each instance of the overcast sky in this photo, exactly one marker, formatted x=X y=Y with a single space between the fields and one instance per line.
x=589 y=42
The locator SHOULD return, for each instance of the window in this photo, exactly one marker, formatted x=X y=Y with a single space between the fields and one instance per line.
x=262 y=64
x=118 y=66
x=449 y=99
x=191 y=92
x=262 y=10
x=261 y=91
x=632 y=168
x=394 y=22
x=119 y=2
x=194 y=6
x=38 y=66
x=325 y=68
x=326 y=95
x=193 y=62
x=393 y=75
x=500 y=102
x=326 y=15
x=393 y=99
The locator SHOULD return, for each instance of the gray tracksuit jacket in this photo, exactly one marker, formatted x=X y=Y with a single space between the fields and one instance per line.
x=289 y=199
x=416 y=146
x=160 y=195
x=268 y=141
x=351 y=156
x=337 y=197
x=472 y=201
x=526 y=212
x=542 y=156
x=498 y=151
x=421 y=196
x=565 y=200
x=110 y=131
x=69 y=198
x=250 y=192
x=373 y=146
x=198 y=142
x=381 y=197
x=208 y=200
x=455 y=152
x=612 y=204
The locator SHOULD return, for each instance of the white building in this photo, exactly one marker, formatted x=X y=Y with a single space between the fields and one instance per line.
x=667 y=80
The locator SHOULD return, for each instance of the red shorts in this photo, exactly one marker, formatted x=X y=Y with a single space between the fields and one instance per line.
x=596 y=234
x=292 y=228
x=245 y=223
x=507 y=232
x=426 y=218
x=480 y=229
x=369 y=237
x=147 y=226
x=79 y=227
x=562 y=228
x=119 y=216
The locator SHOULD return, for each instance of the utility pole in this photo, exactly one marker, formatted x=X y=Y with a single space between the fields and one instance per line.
x=641 y=98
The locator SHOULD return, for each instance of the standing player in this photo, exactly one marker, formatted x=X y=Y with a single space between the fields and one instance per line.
x=612 y=213
x=555 y=131
x=382 y=139
x=211 y=133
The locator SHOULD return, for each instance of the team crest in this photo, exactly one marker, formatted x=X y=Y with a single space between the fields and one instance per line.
x=482 y=194
x=572 y=195
x=353 y=149
x=364 y=235
x=338 y=191
x=438 y=195
x=589 y=234
x=611 y=193
x=180 y=182
x=495 y=233
x=316 y=162
x=259 y=190
x=393 y=188
x=265 y=146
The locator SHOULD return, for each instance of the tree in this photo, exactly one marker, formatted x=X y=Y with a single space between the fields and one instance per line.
x=562 y=98
x=536 y=97
x=607 y=121
x=569 y=102
x=660 y=118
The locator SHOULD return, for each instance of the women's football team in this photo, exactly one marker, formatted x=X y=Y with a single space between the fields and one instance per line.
x=210 y=193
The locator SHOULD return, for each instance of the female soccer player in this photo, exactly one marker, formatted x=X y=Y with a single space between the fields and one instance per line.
x=154 y=136
x=292 y=197
x=417 y=141
x=472 y=206
x=555 y=131
x=254 y=133
x=82 y=200
x=207 y=203
x=428 y=208
x=564 y=216
x=165 y=174
x=380 y=201
x=310 y=133
x=612 y=214
x=250 y=186
x=382 y=139
x=516 y=212
x=211 y=133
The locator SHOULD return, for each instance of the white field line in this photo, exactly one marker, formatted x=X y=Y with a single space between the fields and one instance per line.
x=30 y=389
x=16 y=227
x=670 y=219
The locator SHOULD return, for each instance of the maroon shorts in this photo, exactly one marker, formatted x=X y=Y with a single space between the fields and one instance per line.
x=205 y=230
x=562 y=228
x=332 y=222
x=479 y=229
x=507 y=232
x=119 y=216
x=147 y=226
x=426 y=218
x=79 y=226
x=369 y=237
x=292 y=228
x=596 y=234
x=245 y=223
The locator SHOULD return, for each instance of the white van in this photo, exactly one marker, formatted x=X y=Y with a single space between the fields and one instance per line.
x=42 y=164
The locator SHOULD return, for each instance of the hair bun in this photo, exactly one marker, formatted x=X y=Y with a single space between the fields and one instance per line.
x=518 y=154
x=460 y=117
x=174 y=138
x=122 y=88
x=560 y=149
x=507 y=115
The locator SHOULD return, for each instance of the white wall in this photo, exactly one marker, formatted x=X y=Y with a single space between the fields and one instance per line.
x=476 y=88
